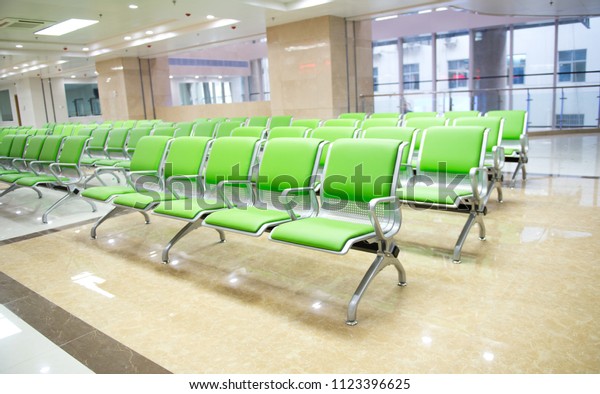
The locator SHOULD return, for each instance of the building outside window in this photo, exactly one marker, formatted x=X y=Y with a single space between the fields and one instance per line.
x=518 y=69
x=411 y=76
x=571 y=65
x=458 y=73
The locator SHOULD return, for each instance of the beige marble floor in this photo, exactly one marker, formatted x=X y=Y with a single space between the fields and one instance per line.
x=523 y=301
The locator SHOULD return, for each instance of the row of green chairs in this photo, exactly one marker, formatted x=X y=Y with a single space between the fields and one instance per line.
x=360 y=116
x=282 y=199
x=52 y=161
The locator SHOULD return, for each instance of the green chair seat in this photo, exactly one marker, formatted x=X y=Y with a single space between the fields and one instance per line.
x=34 y=180
x=11 y=178
x=142 y=200
x=103 y=193
x=249 y=220
x=88 y=161
x=431 y=194
x=8 y=172
x=187 y=209
x=321 y=233
x=107 y=162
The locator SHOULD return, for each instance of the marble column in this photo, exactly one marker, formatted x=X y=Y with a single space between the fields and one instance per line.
x=120 y=89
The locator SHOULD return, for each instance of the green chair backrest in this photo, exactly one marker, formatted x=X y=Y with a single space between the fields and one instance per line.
x=129 y=123
x=218 y=119
x=310 y=123
x=67 y=130
x=149 y=153
x=494 y=124
x=288 y=132
x=249 y=131
x=460 y=114
x=183 y=129
x=341 y=122
x=379 y=163
x=277 y=172
x=18 y=146
x=42 y=131
x=58 y=129
x=98 y=141
x=360 y=116
x=423 y=123
x=225 y=128
x=452 y=149
x=262 y=121
x=238 y=119
x=515 y=123
x=83 y=132
x=385 y=115
x=330 y=134
x=34 y=147
x=379 y=122
x=51 y=148
x=185 y=156
x=72 y=149
x=135 y=135
x=280 y=120
x=421 y=114
x=205 y=129
x=231 y=159
x=403 y=134
x=165 y=131
x=6 y=144
x=117 y=139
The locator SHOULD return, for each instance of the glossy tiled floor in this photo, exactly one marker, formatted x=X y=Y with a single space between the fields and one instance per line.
x=523 y=301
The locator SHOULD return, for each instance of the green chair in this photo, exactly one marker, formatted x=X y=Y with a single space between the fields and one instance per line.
x=494 y=156
x=183 y=129
x=360 y=116
x=379 y=122
x=310 y=123
x=57 y=130
x=386 y=115
x=341 y=122
x=40 y=153
x=205 y=129
x=276 y=174
x=330 y=134
x=452 y=115
x=231 y=160
x=164 y=131
x=17 y=145
x=403 y=134
x=115 y=151
x=96 y=148
x=450 y=176
x=365 y=216
x=146 y=165
x=420 y=114
x=224 y=129
x=422 y=123
x=259 y=132
x=67 y=130
x=238 y=119
x=288 y=132
x=256 y=121
x=64 y=173
x=184 y=158
x=514 y=139
x=135 y=135
x=280 y=120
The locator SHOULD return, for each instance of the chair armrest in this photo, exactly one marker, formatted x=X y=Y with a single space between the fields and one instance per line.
x=175 y=178
x=524 y=144
x=397 y=219
x=314 y=204
x=21 y=164
x=221 y=190
x=479 y=184
x=56 y=170
x=498 y=154
x=33 y=165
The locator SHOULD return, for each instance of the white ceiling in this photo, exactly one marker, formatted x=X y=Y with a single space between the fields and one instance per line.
x=186 y=21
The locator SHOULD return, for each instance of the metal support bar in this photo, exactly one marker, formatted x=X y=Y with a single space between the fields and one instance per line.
x=474 y=217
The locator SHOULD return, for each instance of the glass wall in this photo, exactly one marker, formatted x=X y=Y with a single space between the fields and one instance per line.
x=82 y=99
x=550 y=68
x=5 y=107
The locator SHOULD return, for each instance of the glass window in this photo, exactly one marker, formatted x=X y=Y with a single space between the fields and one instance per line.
x=5 y=107
x=82 y=99
x=571 y=65
x=458 y=73
x=411 y=76
x=518 y=69
x=417 y=50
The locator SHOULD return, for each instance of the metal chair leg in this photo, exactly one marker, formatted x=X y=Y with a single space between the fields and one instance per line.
x=108 y=215
x=184 y=231
x=381 y=261
x=56 y=204
x=9 y=189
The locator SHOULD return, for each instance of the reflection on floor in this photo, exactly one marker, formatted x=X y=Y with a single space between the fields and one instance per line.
x=523 y=301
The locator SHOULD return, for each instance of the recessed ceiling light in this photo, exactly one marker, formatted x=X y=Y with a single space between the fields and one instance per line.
x=19 y=46
x=66 y=27
x=85 y=49
x=210 y=17
x=127 y=38
x=25 y=65
x=133 y=6
x=385 y=18
x=73 y=76
x=149 y=32
x=424 y=11
x=15 y=68
x=170 y=77
x=197 y=76
x=442 y=9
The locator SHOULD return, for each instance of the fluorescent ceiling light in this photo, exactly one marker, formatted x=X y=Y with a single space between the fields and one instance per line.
x=149 y=32
x=65 y=27
x=133 y=6
x=385 y=18
x=442 y=9
x=424 y=11
x=210 y=17
x=85 y=49
x=18 y=46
